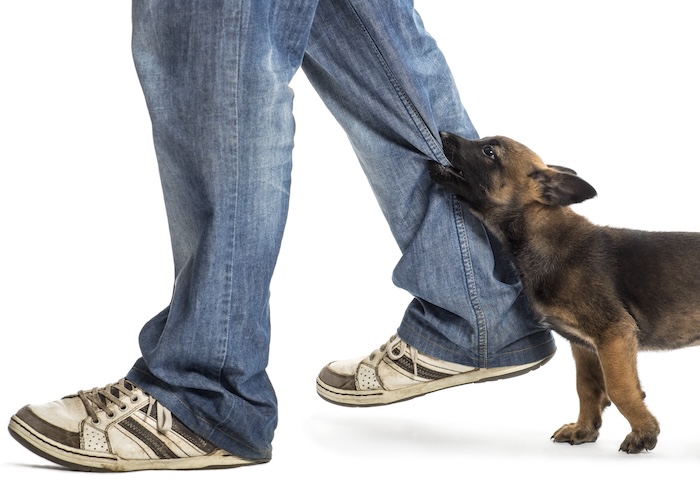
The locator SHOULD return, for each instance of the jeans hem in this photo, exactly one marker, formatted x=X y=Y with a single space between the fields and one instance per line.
x=529 y=349
x=200 y=426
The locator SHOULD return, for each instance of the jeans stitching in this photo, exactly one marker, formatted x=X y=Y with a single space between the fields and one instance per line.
x=436 y=149
x=228 y=299
x=482 y=330
x=434 y=145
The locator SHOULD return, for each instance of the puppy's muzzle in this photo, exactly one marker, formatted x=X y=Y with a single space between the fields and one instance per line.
x=444 y=173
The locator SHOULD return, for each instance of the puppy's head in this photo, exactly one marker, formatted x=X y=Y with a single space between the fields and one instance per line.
x=498 y=174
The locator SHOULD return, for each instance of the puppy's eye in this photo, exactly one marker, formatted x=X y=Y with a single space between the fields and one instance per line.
x=488 y=151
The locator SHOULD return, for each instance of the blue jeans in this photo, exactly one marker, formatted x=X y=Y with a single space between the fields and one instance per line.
x=215 y=75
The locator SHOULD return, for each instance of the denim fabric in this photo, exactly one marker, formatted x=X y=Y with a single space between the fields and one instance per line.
x=215 y=75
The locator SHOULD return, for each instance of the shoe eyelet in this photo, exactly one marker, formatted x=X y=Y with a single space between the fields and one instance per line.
x=135 y=399
x=96 y=421
x=111 y=415
x=123 y=408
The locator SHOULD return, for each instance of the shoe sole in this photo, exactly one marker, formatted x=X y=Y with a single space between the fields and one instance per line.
x=89 y=461
x=381 y=397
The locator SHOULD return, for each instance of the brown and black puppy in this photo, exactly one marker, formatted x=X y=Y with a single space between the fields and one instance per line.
x=609 y=291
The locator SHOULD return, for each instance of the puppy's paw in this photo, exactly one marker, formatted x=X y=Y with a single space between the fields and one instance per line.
x=575 y=434
x=638 y=441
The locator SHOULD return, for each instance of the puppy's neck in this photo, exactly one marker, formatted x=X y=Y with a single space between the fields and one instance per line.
x=539 y=232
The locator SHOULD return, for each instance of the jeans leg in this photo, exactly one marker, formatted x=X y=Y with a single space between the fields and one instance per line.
x=387 y=83
x=215 y=75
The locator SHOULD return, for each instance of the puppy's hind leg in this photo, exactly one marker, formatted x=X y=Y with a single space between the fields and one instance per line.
x=590 y=385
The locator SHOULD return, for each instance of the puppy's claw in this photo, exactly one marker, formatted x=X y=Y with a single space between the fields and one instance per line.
x=637 y=442
x=575 y=434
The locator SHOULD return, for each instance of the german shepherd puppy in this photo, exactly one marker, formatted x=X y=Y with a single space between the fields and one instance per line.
x=609 y=291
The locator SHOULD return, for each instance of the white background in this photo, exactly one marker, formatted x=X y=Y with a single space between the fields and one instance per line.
x=608 y=88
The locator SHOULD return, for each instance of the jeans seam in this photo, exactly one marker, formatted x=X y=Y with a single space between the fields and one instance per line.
x=228 y=299
x=436 y=148
x=432 y=143
x=472 y=290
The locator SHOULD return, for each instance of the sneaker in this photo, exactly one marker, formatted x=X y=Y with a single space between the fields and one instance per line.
x=397 y=372
x=116 y=428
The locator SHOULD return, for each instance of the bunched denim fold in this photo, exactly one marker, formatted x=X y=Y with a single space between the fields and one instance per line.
x=215 y=75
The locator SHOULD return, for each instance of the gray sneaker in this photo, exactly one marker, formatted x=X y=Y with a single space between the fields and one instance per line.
x=397 y=372
x=116 y=428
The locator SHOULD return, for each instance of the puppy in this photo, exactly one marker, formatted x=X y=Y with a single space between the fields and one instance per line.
x=609 y=291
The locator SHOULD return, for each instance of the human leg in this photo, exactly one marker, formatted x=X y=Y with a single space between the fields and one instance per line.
x=216 y=83
x=387 y=83
x=215 y=76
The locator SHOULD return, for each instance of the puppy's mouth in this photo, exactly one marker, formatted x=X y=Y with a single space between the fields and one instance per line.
x=443 y=172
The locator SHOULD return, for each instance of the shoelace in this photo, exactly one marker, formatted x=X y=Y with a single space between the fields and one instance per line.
x=102 y=399
x=396 y=344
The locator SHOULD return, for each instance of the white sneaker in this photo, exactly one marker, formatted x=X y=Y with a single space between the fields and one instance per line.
x=116 y=428
x=397 y=372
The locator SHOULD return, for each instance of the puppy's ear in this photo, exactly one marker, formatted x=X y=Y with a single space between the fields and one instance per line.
x=560 y=187
x=563 y=169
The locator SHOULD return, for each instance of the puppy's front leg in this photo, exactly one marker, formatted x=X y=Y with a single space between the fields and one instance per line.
x=618 y=358
x=590 y=385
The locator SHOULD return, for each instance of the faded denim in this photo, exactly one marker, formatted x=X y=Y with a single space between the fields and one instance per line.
x=215 y=75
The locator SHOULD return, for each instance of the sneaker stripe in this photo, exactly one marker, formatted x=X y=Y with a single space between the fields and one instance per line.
x=192 y=438
x=146 y=437
x=183 y=431
x=406 y=364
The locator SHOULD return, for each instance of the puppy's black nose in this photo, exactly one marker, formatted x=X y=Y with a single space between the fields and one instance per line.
x=446 y=137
